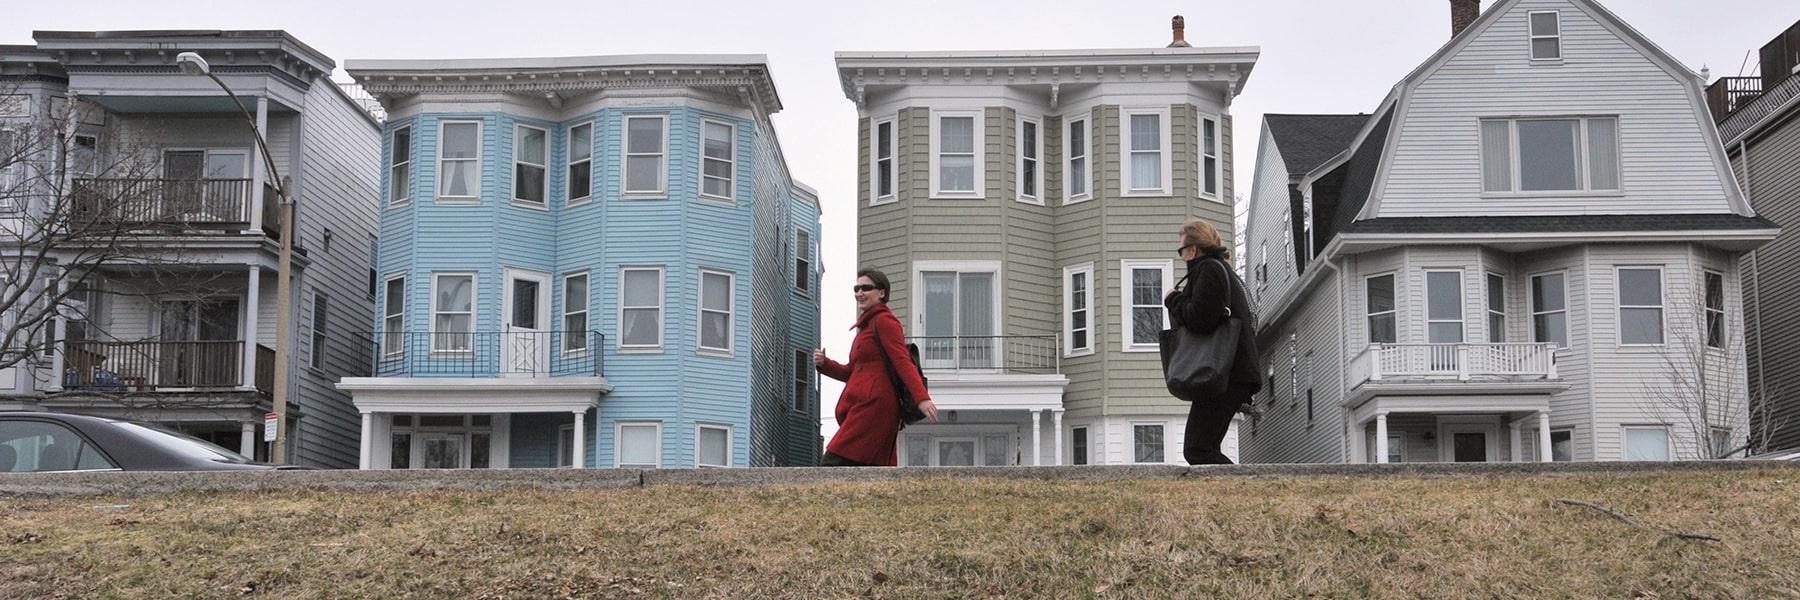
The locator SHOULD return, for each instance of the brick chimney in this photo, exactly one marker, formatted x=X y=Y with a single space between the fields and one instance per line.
x=1462 y=13
x=1179 y=25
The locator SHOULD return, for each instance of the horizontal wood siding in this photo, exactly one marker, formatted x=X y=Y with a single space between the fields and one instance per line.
x=1771 y=176
x=1283 y=433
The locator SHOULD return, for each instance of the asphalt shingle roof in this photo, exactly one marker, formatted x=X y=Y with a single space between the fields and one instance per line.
x=1307 y=141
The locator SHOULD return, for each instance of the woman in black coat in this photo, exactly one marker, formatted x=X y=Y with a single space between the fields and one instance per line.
x=1213 y=293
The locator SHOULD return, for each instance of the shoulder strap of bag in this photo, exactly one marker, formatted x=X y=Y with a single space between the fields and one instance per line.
x=893 y=375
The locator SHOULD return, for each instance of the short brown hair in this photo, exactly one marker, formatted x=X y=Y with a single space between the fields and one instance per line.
x=879 y=279
x=1198 y=232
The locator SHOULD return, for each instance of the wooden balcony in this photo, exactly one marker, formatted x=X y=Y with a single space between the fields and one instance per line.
x=176 y=205
x=159 y=366
x=1454 y=362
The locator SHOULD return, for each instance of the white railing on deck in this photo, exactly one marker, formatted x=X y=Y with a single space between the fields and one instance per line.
x=1454 y=361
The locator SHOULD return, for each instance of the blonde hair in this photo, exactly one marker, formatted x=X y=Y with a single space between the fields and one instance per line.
x=1198 y=232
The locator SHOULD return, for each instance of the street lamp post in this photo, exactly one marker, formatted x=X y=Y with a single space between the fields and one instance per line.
x=192 y=64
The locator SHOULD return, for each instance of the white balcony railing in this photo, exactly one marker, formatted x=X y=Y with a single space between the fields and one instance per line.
x=1027 y=354
x=1462 y=362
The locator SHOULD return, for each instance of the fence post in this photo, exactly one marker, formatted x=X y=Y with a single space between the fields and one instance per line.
x=1462 y=362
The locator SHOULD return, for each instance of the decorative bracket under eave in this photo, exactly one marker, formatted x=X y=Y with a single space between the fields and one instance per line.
x=860 y=99
x=1055 y=91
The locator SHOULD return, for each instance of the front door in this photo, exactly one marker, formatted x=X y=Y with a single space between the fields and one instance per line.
x=1468 y=447
x=955 y=452
x=1466 y=440
x=958 y=320
x=525 y=341
x=441 y=451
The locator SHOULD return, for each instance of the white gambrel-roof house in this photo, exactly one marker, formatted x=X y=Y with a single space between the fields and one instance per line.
x=1527 y=251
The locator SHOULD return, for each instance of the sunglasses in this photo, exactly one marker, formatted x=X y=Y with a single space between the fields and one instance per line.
x=864 y=287
x=1179 y=251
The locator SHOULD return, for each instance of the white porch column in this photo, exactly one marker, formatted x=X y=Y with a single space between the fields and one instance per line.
x=258 y=171
x=60 y=347
x=1544 y=437
x=1056 y=420
x=247 y=440
x=368 y=441
x=1037 y=435
x=1381 y=448
x=580 y=452
x=252 y=298
x=1518 y=440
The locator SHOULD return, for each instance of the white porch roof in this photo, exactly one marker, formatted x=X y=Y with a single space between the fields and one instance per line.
x=1451 y=404
x=480 y=395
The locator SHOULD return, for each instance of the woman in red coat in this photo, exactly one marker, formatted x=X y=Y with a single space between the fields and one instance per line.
x=867 y=414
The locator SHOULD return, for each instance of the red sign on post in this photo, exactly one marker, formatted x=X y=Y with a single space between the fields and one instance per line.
x=269 y=424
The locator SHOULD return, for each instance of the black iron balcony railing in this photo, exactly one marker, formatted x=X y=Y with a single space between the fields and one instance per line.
x=515 y=353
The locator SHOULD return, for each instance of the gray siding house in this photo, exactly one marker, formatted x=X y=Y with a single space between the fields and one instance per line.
x=1024 y=204
x=1759 y=122
x=1529 y=250
x=191 y=344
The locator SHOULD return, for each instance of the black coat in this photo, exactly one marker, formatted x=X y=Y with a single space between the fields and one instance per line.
x=1200 y=307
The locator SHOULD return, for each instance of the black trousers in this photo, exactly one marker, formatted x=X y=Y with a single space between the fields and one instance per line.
x=1207 y=424
x=833 y=460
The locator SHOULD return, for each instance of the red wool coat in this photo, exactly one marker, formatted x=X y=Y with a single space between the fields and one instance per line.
x=868 y=421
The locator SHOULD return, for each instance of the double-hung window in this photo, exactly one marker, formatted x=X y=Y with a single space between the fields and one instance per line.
x=452 y=312
x=1146 y=443
x=1078 y=310
x=712 y=446
x=803 y=371
x=1549 y=310
x=1496 y=308
x=1443 y=307
x=1075 y=161
x=638 y=445
x=1640 y=306
x=400 y=166
x=1211 y=169
x=716 y=320
x=1715 y=309
x=459 y=161
x=1078 y=446
x=1031 y=163
x=1550 y=155
x=321 y=320
x=1144 y=284
x=1379 y=294
x=646 y=156
x=393 y=318
x=956 y=157
x=881 y=176
x=575 y=312
x=718 y=166
x=640 y=308
x=1546 y=35
x=531 y=151
x=1146 y=147
x=802 y=260
x=581 y=163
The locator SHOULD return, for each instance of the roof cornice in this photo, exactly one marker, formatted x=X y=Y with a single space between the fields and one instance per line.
x=1224 y=65
x=747 y=75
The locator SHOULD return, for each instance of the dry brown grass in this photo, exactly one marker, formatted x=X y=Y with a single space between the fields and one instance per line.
x=1387 y=537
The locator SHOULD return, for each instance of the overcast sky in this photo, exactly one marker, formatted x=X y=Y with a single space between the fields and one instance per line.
x=1325 y=56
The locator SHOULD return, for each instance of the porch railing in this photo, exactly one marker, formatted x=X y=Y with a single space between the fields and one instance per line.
x=1030 y=354
x=1462 y=362
x=164 y=201
x=1726 y=94
x=155 y=365
x=486 y=353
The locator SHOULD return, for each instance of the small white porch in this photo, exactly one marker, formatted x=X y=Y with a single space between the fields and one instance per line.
x=989 y=419
x=462 y=422
x=1450 y=428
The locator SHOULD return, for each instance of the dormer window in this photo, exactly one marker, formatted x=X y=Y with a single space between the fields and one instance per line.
x=1546 y=35
x=1550 y=155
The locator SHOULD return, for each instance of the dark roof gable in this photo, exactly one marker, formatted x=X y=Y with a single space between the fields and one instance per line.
x=1307 y=141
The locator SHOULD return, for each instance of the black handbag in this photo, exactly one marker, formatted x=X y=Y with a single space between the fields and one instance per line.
x=1197 y=366
x=909 y=410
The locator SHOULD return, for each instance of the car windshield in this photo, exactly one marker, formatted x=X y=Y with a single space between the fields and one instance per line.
x=180 y=443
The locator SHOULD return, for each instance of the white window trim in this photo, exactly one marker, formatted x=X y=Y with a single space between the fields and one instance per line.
x=1581 y=150
x=1217 y=155
x=700 y=311
x=619 y=441
x=1068 y=316
x=662 y=177
x=921 y=267
x=700 y=427
x=1089 y=448
x=1087 y=154
x=1019 y=162
x=1132 y=449
x=1707 y=311
x=980 y=148
x=1532 y=37
x=317 y=340
x=1619 y=306
x=1462 y=311
x=587 y=313
x=876 y=198
x=438 y=177
x=562 y=450
x=1531 y=298
x=386 y=317
x=1125 y=306
x=1571 y=432
x=1487 y=297
x=474 y=307
x=731 y=181
x=1369 y=316
x=803 y=252
x=1668 y=439
x=518 y=135
x=569 y=165
x=662 y=301
x=407 y=164
x=1167 y=155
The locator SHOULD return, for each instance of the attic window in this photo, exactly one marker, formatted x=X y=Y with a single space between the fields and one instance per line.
x=1546 y=35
